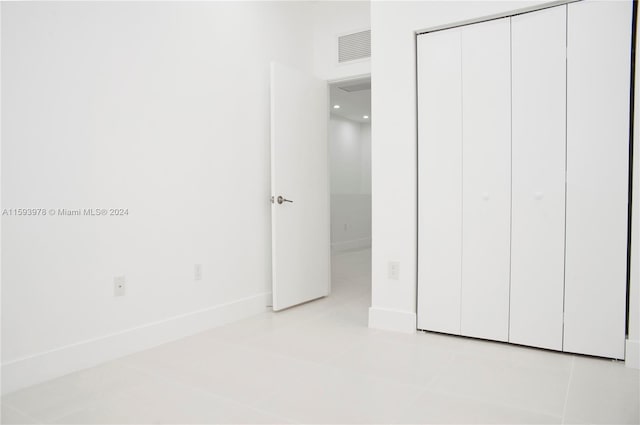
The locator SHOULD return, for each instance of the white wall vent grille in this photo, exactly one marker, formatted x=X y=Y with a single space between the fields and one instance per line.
x=354 y=46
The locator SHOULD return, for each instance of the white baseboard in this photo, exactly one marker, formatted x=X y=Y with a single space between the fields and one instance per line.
x=392 y=320
x=352 y=244
x=632 y=354
x=51 y=364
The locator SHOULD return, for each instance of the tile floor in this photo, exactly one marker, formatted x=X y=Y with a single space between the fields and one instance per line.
x=319 y=363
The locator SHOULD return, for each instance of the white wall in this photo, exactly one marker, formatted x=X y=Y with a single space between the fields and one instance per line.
x=332 y=19
x=394 y=232
x=350 y=170
x=161 y=108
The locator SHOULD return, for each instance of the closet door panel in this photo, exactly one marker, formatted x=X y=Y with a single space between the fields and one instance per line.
x=538 y=48
x=486 y=170
x=439 y=181
x=598 y=75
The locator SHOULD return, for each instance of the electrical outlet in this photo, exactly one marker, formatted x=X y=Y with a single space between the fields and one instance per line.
x=197 y=272
x=119 y=286
x=394 y=270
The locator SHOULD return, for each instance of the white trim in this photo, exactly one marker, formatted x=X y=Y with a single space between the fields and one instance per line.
x=535 y=8
x=632 y=354
x=355 y=77
x=40 y=367
x=392 y=320
x=352 y=61
x=351 y=245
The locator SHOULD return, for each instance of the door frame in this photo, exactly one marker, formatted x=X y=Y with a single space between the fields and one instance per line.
x=329 y=83
x=347 y=79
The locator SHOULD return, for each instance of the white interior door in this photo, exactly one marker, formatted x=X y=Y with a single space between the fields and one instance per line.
x=538 y=181
x=439 y=181
x=299 y=188
x=598 y=80
x=486 y=179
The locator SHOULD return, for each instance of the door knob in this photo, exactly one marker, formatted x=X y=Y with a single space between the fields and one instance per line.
x=283 y=200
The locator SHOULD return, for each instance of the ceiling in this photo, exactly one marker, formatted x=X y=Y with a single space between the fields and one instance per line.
x=354 y=98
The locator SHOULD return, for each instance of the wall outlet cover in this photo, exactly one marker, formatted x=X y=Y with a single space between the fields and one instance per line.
x=394 y=270
x=119 y=286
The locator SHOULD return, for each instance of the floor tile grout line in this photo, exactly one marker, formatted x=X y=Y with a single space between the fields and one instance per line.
x=421 y=387
x=316 y=315
x=486 y=400
x=425 y=387
x=281 y=355
x=422 y=391
x=91 y=404
x=496 y=403
x=247 y=346
x=170 y=380
x=20 y=411
x=325 y=363
x=297 y=325
x=566 y=396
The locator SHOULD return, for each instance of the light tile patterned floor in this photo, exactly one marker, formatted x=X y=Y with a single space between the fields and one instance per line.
x=319 y=363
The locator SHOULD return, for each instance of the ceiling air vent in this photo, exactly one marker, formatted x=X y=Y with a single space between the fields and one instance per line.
x=354 y=46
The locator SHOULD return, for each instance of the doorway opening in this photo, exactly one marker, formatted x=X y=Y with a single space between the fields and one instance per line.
x=321 y=195
x=349 y=140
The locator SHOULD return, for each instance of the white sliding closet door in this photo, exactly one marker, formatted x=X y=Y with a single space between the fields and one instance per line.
x=486 y=165
x=439 y=181
x=538 y=48
x=598 y=68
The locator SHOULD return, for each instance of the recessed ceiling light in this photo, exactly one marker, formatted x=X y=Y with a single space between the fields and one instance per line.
x=336 y=106
x=365 y=117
